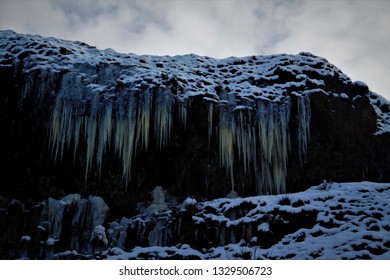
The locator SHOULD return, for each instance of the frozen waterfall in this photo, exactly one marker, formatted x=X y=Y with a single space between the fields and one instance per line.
x=102 y=109
x=255 y=135
x=81 y=218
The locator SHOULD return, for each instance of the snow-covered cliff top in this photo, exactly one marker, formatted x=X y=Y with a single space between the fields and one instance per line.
x=242 y=79
x=256 y=77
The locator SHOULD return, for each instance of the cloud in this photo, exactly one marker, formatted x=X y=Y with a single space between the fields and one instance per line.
x=354 y=35
x=33 y=17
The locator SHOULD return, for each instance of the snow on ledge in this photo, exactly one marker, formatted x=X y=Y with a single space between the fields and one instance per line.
x=353 y=222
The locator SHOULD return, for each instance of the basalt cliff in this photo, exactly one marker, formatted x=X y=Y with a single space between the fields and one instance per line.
x=88 y=134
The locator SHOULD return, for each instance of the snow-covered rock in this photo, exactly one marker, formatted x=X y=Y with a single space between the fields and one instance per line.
x=89 y=121
x=351 y=222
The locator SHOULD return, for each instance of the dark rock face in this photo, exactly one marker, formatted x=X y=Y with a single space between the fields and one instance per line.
x=333 y=220
x=199 y=129
x=52 y=226
x=79 y=120
x=342 y=145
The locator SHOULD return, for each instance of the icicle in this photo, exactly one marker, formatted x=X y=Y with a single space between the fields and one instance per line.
x=65 y=123
x=143 y=119
x=90 y=130
x=105 y=130
x=246 y=143
x=163 y=117
x=94 y=115
x=226 y=141
x=71 y=198
x=303 y=115
x=55 y=212
x=125 y=132
x=261 y=143
x=89 y=214
x=99 y=211
x=117 y=232
x=227 y=133
x=183 y=112
x=79 y=111
x=210 y=112
x=79 y=224
x=273 y=138
x=156 y=237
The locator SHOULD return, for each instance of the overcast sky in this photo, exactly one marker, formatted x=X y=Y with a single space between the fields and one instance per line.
x=352 y=34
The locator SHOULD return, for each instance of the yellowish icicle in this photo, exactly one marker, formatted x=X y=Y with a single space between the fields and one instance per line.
x=143 y=119
x=210 y=112
x=183 y=112
x=226 y=142
x=303 y=116
x=163 y=117
x=105 y=130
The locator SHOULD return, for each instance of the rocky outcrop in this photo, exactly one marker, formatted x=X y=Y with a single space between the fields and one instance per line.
x=89 y=121
x=80 y=120
x=329 y=221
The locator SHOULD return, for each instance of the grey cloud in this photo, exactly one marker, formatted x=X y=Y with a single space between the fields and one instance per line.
x=81 y=11
x=351 y=34
x=145 y=13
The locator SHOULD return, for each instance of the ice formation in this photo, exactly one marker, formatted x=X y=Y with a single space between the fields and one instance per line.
x=158 y=203
x=89 y=214
x=330 y=221
x=103 y=101
x=98 y=239
x=303 y=118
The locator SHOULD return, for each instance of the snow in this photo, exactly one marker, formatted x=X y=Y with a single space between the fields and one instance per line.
x=382 y=109
x=353 y=222
x=188 y=202
x=25 y=238
x=88 y=217
x=360 y=83
x=155 y=252
x=108 y=97
x=263 y=227
x=51 y=241
x=99 y=234
x=194 y=74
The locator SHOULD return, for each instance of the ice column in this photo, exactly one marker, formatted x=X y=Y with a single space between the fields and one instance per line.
x=260 y=138
x=272 y=133
x=143 y=119
x=54 y=214
x=158 y=203
x=303 y=116
x=226 y=141
x=210 y=112
x=89 y=214
x=163 y=117
x=100 y=119
x=125 y=130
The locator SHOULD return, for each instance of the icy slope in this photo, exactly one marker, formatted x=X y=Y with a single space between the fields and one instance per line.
x=352 y=222
x=329 y=221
